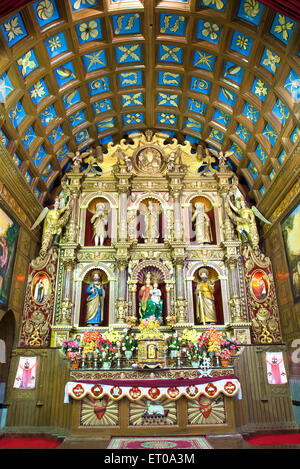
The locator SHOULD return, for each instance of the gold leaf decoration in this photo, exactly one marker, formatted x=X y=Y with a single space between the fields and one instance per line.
x=251 y=8
x=234 y=70
x=45 y=10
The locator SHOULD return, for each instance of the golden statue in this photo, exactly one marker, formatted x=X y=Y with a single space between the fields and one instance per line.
x=54 y=221
x=205 y=302
x=149 y=160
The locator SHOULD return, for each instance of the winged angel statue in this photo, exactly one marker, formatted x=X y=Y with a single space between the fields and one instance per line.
x=54 y=220
x=244 y=217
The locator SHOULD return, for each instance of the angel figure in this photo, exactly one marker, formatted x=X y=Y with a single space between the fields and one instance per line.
x=151 y=218
x=205 y=302
x=222 y=157
x=203 y=227
x=245 y=219
x=76 y=159
x=54 y=221
x=174 y=161
x=124 y=160
x=99 y=221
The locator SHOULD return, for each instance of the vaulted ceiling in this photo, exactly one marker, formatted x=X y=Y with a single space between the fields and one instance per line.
x=78 y=73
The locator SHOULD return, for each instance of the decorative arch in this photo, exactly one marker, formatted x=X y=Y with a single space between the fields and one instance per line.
x=167 y=287
x=224 y=289
x=213 y=214
x=80 y=295
x=150 y=263
x=85 y=216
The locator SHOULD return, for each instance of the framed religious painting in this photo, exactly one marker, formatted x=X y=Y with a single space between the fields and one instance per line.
x=290 y=230
x=9 y=231
x=26 y=373
x=40 y=287
x=276 y=372
x=259 y=285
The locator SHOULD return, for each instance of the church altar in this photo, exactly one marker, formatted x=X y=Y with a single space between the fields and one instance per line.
x=154 y=238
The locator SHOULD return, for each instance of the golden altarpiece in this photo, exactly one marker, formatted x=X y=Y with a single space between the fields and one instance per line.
x=150 y=209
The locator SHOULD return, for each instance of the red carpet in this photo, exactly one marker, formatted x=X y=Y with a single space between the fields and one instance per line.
x=28 y=443
x=275 y=439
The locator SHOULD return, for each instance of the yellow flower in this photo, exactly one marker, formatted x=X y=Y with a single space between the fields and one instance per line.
x=190 y=335
x=111 y=335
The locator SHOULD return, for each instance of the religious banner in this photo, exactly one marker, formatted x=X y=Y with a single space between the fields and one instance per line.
x=39 y=303
x=276 y=372
x=261 y=297
x=154 y=389
x=26 y=373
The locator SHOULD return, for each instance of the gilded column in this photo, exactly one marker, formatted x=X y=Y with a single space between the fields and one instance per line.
x=67 y=303
x=180 y=302
x=121 y=303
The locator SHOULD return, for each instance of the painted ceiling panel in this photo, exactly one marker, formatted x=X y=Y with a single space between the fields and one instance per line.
x=76 y=73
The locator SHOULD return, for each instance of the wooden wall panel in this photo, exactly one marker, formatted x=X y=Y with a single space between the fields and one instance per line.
x=264 y=407
x=43 y=408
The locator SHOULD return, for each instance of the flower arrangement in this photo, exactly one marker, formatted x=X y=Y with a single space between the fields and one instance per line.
x=230 y=343
x=173 y=341
x=224 y=354
x=190 y=335
x=171 y=320
x=149 y=323
x=128 y=341
x=71 y=346
x=214 y=339
x=106 y=350
x=203 y=344
x=74 y=356
x=130 y=321
x=193 y=352
x=112 y=336
x=89 y=340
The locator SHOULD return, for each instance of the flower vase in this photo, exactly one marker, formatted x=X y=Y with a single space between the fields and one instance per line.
x=173 y=353
x=75 y=365
x=195 y=363
x=224 y=362
x=106 y=365
x=128 y=354
x=232 y=351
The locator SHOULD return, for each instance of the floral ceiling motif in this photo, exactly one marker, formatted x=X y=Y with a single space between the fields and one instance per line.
x=79 y=73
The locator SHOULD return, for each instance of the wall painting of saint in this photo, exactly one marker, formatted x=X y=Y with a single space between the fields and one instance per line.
x=9 y=231
x=291 y=229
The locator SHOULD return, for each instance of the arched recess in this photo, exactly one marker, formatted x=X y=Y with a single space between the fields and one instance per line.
x=223 y=291
x=166 y=286
x=85 y=216
x=110 y=290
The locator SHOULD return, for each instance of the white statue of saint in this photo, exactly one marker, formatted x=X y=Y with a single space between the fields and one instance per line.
x=99 y=221
x=151 y=217
x=203 y=227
